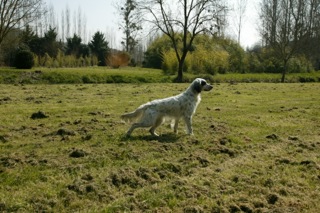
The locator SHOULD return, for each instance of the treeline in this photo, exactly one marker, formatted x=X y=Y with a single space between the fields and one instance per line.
x=213 y=55
x=25 y=49
x=208 y=55
x=290 y=42
x=290 y=29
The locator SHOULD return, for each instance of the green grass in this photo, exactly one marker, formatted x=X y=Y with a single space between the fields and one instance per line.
x=89 y=75
x=256 y=149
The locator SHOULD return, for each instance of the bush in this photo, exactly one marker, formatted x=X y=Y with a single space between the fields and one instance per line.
x=299 y=64
x=170 y=62
x=119 y=59
x=24 y=59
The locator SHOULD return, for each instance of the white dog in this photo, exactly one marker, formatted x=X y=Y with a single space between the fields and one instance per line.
x=153 y=114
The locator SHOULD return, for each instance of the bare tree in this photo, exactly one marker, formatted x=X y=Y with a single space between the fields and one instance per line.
x=62 y=26
x=75 y=22
x=17 y=14
x=182 y=21
x=111 y=37
x=84 y=28
x=285 y=27
x=240 y=8
x=130 y=24
x=51 y=16
x=68 y=22
x=79 y=22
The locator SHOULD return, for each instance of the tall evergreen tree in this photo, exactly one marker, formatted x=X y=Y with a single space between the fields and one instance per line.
x=73 y=45
x=50 y=43
x=100 y=47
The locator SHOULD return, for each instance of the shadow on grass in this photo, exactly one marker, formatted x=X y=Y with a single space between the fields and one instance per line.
x=165 y=138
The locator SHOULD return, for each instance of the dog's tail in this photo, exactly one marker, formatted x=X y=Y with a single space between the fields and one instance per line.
x=135 y=115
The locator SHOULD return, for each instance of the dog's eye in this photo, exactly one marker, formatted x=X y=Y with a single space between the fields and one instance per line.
x=203 y=83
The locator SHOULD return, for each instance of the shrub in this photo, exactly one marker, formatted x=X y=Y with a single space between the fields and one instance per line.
x=116 y=60
x=209 y=61
x=299 y=64
x=24 y=59
x=154 y=53
x=170 y=62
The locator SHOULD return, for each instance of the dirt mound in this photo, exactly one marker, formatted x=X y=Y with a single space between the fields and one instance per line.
x=77 y=153
x=38 y=115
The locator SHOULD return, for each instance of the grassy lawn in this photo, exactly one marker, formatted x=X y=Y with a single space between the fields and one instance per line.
x=89 y=75
x=255 y=149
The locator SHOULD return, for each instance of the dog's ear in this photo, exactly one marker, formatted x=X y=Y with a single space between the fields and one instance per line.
x=197 y=86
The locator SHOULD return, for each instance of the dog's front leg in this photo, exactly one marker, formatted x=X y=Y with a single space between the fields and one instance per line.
x=188 y=121
x=174 y=125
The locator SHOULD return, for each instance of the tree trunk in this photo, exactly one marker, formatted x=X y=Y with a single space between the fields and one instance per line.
x=284 y=72
x=180 y=72
x=283 y=76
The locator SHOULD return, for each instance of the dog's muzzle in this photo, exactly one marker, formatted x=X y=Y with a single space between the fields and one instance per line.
x=207 y=87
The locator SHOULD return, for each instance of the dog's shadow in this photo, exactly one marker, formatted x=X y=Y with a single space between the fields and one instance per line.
x=164 y=138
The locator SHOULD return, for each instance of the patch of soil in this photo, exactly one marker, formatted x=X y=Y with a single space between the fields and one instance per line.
x=221 y=149
x=87 y=177
x=3 y=139
x=78 y=121
x=6 y=99
x=219 y=127
x=2 y=207
x=77 y=153
x=87 y=137
x=64 y=132
x=9 y=162
x=293 y=138
x=204 y=162
x=224 y=141
x=246 y=208
x=44 y=204
x=273 y=137
x=81 y=186
x=38 y=115
x=272 y=198
x=125 y=177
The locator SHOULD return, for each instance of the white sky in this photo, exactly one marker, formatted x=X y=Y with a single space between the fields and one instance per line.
x=101 y=15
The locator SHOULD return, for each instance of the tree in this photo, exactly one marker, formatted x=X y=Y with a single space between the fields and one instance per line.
x=182 y=21
x=240 y=9
x=286 y=27
x=75 y=47
x=99 y=47
x=131 y=24
x=50 y=44
x=154 y=54
x=68 y=24
x=17 y=14
x=27 y=36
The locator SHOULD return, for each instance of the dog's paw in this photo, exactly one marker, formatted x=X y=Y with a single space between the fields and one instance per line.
x=190 y=134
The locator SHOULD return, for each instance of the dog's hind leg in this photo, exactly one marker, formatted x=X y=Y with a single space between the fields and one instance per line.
x=145 y=121
x=174 y=125
x=157 y=123
x=137 y=125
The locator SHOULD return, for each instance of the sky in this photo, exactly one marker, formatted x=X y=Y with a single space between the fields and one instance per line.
x=101 y=15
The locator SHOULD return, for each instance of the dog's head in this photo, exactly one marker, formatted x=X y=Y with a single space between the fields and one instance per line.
x=200 y=84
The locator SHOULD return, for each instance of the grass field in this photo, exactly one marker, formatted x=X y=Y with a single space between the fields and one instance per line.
x=88 y=75
x=255 y=149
